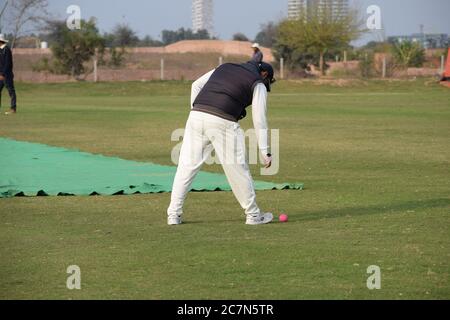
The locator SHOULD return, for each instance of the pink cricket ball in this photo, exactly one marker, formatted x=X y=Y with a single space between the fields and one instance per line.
x=284 y=218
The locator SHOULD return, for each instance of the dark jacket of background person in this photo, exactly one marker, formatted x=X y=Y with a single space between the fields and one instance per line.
x=258 y=56
x=6 y=62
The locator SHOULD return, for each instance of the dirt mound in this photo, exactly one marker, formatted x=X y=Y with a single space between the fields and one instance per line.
x=226 y=48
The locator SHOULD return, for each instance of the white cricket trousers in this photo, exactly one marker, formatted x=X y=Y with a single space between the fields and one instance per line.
x=203 y=133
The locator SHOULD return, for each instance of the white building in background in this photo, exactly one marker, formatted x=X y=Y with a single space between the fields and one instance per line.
x=338 y=7
x=202 y=16
x=295 y=7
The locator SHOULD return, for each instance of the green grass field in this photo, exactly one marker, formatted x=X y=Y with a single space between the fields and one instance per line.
x=374 y=158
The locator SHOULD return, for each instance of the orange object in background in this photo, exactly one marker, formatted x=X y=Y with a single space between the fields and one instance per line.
x=446 y=76
x=447 y=67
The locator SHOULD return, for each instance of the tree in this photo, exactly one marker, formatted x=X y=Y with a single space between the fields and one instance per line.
x=148 y=41
x=266 y=37
x=366 y=64
x=73 y=48
x=371 y=56
x=201 y=35
x=22 y=13
x=240 y=37
x=409 y=54
x=377 y=47
x=124 y=36
x=316 y=33
x=109 y=39
x=169 y=36
x=117 y=57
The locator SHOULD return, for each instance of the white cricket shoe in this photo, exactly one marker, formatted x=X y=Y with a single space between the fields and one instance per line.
x=174 y=220
x=261 y=219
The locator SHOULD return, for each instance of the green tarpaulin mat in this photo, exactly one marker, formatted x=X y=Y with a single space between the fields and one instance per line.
x=31 y=169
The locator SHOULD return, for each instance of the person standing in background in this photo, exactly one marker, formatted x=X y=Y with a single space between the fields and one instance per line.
x=257 y=55
x=6 y=74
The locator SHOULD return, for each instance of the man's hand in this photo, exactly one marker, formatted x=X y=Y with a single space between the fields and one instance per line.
x=2 y=77
x=268 y=161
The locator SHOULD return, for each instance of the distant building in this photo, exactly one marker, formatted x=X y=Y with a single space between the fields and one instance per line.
x=295 y=7
x=428 y=41
x=202 y=16
x=338 y=8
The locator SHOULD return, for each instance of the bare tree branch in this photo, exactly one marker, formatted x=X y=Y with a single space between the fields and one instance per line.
x=22 y=13
x=2 y=11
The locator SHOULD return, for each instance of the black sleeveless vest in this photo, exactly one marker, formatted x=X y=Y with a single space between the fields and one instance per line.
x=229 y=91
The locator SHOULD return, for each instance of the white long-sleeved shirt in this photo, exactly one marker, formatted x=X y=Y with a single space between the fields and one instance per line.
x=198 y=85
x=259 y=109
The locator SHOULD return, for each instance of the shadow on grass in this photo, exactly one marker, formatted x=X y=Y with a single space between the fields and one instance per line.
x=402 y=207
